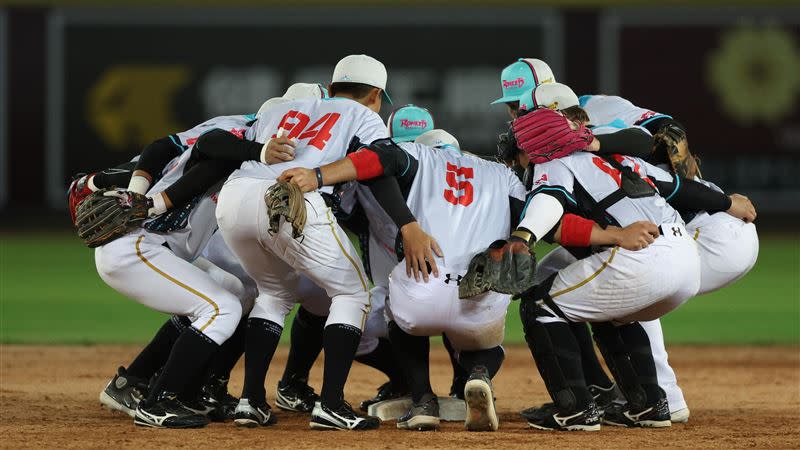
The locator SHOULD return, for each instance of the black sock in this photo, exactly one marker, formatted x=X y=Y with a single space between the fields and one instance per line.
x=307 y=331
x=190 y=355
x=592 y=370
x=617 y=358
x=229 y=353
x=340 y=342
x=156 y=353
x=458 y=370
x=383 y=359
x=413 y=355
x=260 y=344
x=491 y=358
x=641 y=356
x=567 y=352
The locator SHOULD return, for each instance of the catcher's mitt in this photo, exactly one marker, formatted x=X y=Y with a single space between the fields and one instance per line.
x=506 y=267
x=286 y=200
x=110 y=213
x=670 y=143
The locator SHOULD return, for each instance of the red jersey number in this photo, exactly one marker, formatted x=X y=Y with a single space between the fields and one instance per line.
x=614 y=173
x=454 y=195
x=295 y=123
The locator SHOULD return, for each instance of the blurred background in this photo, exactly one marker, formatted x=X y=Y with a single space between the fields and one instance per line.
x=86 y=85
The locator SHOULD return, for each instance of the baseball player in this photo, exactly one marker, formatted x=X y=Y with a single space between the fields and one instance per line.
x=442 y=191
x=723 y=234
x=611 y=285
x=318 y=248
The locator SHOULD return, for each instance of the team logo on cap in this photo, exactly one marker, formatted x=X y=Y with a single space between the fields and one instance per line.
x=519 y=82
x=422 y=123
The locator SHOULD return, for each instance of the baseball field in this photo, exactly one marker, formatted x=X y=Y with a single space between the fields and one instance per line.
x=736 y=353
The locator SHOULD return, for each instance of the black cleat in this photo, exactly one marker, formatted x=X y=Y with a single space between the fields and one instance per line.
x=549 y=418
x=478 y=395
x=385 y=392
x=215 y=394
x=422 y=416
x=538 y=413
x=123 y=393
x=652 y=416
x=168 y=412
x=296 y=396
x=251 y=415
x=341 y=418
x=603 y=397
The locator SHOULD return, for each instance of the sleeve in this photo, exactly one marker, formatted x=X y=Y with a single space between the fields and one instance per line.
x=115 y=176
x=198 y=179
x=187 y=138
x=157 y=155
x=383 y=157
x=372 y=128
x=221 y=145
x=555 y=179
x=515 y=187
x=628 y=141
x=388 y=194
x=685 y=194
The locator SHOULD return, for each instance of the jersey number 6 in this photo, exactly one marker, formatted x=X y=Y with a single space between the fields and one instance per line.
x=320 y=131
x=451 y=195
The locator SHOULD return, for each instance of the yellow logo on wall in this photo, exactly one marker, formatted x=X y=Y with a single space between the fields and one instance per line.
x=756 y=74
x=131 y=105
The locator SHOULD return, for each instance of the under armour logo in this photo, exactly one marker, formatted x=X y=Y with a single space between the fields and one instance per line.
x=448 y=279
x=676 y=231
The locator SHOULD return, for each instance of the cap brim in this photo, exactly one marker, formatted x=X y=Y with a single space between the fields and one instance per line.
x=506 y=99
x=404 y=138
x=386 y=96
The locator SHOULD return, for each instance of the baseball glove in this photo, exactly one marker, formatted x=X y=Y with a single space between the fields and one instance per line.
x=286 y=200
x=670 y=143
x=110 y=213
x=506 y=267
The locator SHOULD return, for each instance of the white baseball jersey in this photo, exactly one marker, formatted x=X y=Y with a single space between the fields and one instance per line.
x=324 y=128
x=189 y=241
x=461 y=201
x=616 y=111
x=589 y=174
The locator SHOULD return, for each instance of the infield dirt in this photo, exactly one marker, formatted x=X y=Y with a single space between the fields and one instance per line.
x=739 y=397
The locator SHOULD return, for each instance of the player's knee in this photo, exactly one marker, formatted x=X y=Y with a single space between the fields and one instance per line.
x=271 y=309
x=225 y=318
x=109 y=261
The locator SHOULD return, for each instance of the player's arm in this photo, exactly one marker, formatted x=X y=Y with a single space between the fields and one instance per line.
x=689 y=195
x=629 y=141
x=154 y=158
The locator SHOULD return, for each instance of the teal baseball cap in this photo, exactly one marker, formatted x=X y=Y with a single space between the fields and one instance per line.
x=522 y=75
x=408 y=122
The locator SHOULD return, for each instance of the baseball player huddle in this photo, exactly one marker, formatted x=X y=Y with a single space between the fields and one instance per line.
x=229 y=225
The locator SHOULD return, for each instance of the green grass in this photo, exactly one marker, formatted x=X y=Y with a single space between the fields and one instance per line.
x=50 y=293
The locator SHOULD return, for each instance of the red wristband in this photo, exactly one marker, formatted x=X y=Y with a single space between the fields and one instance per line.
x=367 y=163
x=576 y=231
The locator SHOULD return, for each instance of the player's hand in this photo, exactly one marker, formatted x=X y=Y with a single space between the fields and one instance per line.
x=417 y=246
x=306 y=179
x=742 y=208
x=278 y=150
x=637 y=236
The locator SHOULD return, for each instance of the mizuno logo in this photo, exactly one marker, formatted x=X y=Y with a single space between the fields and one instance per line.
x=562 y=421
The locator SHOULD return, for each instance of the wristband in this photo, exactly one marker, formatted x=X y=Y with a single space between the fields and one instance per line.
x=319 y=177
x=576 y=231
x=139 y=184
x=263 y=156
x=90 y=184
x=524 y=234
x=159 y=205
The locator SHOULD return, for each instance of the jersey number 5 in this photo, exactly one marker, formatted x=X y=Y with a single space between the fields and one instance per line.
x=452 y=195
x=295 y=122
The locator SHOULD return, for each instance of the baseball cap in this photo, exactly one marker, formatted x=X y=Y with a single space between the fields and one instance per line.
x=408 y=122
x=361 y=69
x=438 y=138
x=549 y=95
x=305 y=90
x=269 y=104
x=524 y=74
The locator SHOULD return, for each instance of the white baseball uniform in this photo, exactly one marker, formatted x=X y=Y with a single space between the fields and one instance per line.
x=614 y=111
x=455 y=192
x=324 y=129
x=616 y=284
x=155 y=267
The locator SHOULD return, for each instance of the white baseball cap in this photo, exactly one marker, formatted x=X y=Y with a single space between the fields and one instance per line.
x=299 y=91
x=550 y=95
x=361 y=69
x=269 y=104
x=438 y=138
